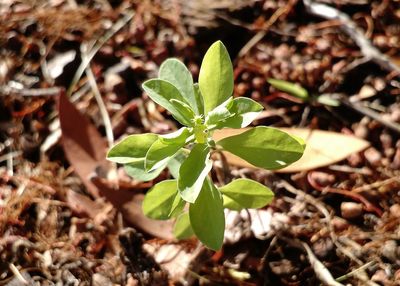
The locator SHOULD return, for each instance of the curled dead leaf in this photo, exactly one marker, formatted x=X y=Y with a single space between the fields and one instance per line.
x=129 y=203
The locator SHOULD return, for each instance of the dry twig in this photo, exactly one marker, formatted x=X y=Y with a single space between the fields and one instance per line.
x=320 y=270
x=351 y=29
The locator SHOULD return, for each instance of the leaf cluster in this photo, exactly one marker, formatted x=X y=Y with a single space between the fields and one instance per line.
x=192 y=197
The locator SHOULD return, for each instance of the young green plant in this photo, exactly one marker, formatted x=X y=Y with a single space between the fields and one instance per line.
x=202 y=108
x=301 y=93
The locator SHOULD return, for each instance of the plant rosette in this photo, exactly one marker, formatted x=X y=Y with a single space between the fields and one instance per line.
x=202 y=108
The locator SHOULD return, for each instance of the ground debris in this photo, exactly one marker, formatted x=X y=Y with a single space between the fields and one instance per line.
x=69 y=218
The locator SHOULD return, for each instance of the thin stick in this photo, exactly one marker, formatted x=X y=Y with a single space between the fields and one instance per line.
x=350 y=28
x=376 y=185
x=102 y=106
x=85 y=62
x=10 y=165
x=320 y=270
x=370 y=113
x=352 y=273
x=18 y=274
x=261 y=34
x=50 y=91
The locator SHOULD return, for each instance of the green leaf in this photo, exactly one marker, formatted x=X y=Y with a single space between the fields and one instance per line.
x=132 y=148
x=137 y=171
x=184 y=109
x=175 y=163
x=289 y=87
x=245 y=110
x=216 y=76
x=231 y=204
x=207 y=216
x=161 y=152
x=193 y=171
x=177 y=137
x=182 y=228
x=199 y=98
x=246 y=193
x=175 y=72
x=264 y=147
x=327 y=99
x=218 y=114
x=301 y=141
x=161 y=92
x=177 y=205
x=162 y=201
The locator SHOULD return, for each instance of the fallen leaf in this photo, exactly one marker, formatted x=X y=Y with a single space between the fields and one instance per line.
x=83 y=145
x=129 y=203
x=81 y=204
x=323 y=148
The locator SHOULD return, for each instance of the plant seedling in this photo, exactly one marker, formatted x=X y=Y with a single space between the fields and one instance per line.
x=301 y=93
x=202 y=108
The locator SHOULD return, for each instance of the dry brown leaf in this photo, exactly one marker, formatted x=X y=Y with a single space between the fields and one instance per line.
x=83 y=145
x=133 y=212
x=323 y=148
x=82 y=204
x=129 y=203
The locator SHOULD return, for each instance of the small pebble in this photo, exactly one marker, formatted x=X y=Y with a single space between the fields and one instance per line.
x=355 y=160
x=351 y=210
x=258 y=82
x=339 y=224
x=373 y=157
x=283 y=267
x=389 y=250
x=361 y=131
x=323 y=179
x=241 y=88
x=380 y=277
x=113 y=82
x=395 y=210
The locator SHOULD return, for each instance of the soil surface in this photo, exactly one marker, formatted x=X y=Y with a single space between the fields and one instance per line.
x=70 y=84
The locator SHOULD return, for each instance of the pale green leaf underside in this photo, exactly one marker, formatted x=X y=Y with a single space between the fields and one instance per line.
x=216 y=76
x=175 y=163
x=245 y=110
x=184 y=109
x=177 y=205
x=161 y=92
x=160 y=153
x=207 y=216
x=163 y=149
x=193 y=171
x=182 y=228
x=177 y=137
x=161 y=201
x=131 y=148
x=264 y=147
x=137 y=171
x=245 y=193
x=219 y=114
x=175 y=72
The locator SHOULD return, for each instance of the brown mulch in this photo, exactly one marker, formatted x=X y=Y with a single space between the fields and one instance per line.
x=59 y=229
